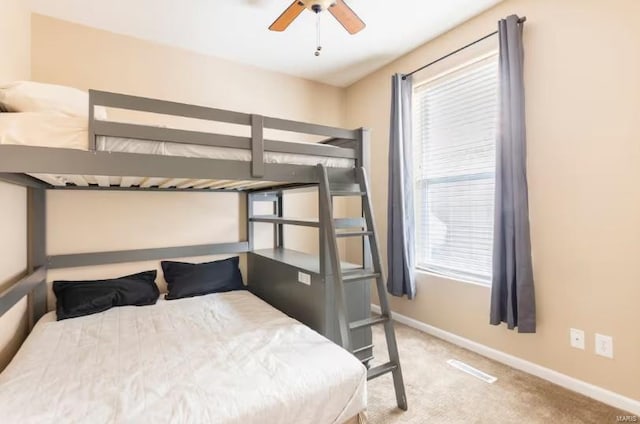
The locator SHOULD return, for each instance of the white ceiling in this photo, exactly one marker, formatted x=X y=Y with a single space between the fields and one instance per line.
x=237 y=30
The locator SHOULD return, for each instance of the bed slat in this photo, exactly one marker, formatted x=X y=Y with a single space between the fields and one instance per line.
x=54 y=180
x=173 y=182
x=102 y=181
x=189 y=183
x=129 y=181
x=152 y=182
x=78 y=180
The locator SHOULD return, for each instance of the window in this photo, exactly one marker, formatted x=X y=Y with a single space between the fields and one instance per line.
x=456 y=119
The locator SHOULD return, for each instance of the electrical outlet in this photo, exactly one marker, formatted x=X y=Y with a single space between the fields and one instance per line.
x=576 y=338
x=604 y=345
x=304 y=278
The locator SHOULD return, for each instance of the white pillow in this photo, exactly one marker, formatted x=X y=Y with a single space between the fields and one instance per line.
x=29 y=96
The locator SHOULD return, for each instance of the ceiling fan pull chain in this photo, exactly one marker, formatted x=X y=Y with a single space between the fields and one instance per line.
x=319 y=47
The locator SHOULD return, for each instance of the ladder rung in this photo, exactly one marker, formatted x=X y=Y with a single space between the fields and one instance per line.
x=354 y=234
x=367 y=359
x=362 y=274
x=381 y=370
x=368 y=322
x=344 y=223
x=345 y=187
x=348 y=193
x=362 y=349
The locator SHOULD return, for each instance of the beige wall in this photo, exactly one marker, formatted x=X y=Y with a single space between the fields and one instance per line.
x=583 y=117
x=75 y=55
x=15 y=41
x=15 y=35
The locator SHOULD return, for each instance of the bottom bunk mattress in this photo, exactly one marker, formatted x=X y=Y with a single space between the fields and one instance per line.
x=220 y=358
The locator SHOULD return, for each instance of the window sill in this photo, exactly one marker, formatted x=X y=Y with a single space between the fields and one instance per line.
x=427 y=273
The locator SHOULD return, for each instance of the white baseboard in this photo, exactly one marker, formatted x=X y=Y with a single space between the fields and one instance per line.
x=563 y=380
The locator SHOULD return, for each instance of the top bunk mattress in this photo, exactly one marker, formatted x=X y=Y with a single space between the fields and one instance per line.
x=69 y=132
x=220 y=358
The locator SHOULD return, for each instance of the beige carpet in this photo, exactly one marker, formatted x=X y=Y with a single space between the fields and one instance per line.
x=439 y=393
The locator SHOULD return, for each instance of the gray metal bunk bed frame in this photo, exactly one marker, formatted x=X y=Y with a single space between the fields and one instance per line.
x=19 y=164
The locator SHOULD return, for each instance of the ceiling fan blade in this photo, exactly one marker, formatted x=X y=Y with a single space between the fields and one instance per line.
x=347 y=17
x=287 y=16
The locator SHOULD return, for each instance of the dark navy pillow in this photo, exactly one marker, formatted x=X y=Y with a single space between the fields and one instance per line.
x=79 y=298
x=188 y=280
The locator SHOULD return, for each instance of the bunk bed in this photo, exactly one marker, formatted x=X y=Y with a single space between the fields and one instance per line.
x=126 y=156
x=318 y=379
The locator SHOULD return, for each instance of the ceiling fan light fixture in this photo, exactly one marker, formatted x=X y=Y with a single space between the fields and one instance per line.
x=318 y=6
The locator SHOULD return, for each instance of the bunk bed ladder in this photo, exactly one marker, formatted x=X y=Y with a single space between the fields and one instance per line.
x=341 y=277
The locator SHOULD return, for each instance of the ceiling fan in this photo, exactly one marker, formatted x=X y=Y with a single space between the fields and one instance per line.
x=338 y=8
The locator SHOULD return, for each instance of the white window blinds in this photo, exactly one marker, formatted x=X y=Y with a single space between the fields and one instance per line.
x=456 y=118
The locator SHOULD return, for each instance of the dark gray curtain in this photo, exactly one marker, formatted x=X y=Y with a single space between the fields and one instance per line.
x=400 y=224
x=512 y=293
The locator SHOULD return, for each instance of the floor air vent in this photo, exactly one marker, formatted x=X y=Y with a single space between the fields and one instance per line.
x=473 y=371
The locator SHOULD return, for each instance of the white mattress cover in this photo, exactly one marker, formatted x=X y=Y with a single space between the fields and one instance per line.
x=220 y=358
x=64 y=131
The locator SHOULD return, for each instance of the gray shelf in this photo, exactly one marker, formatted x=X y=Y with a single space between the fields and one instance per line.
x=272 y=219
x=340 y=223
x=297 y=259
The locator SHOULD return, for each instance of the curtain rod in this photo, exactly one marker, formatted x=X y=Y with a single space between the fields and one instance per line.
x=404 y=77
